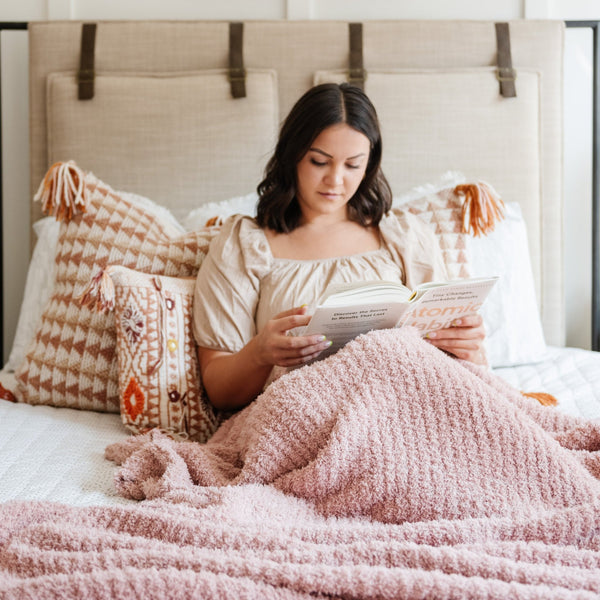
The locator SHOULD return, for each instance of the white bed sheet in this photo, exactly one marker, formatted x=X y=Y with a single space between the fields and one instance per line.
x=58 y=453
x=572 y=375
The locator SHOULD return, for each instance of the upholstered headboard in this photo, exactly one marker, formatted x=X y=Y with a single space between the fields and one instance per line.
x=163 y=120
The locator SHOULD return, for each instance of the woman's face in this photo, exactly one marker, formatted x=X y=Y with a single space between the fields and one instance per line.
x=329 y=174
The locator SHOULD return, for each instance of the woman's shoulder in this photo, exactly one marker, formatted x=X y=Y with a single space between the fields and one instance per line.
x=236 y=223
x=400 y=222
x=413 y=242
x=240 y=234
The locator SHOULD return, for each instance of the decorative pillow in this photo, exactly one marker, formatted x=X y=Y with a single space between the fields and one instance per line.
x=159 y=374
x=71 y=361
x=442 y=211
x=514 y=333
x=217 y=212
x=42 y=270
x=38 y=287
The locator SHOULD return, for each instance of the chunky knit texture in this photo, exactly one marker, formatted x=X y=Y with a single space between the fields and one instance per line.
x=388 y=470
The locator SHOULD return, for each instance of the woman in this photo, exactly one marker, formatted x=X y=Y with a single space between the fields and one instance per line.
x=323 y=217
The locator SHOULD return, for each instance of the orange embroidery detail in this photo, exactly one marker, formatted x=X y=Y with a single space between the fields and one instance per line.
x=6 y=394
x=133 y=400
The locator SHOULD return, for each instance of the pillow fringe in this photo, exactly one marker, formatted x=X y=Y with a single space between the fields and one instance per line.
x=99 y=295
x=63 y=192
x=482 y=207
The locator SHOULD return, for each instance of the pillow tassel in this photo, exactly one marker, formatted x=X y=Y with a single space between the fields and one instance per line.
x=100 y=293
x=63 y=192
x=543 y=398
x=482 y=207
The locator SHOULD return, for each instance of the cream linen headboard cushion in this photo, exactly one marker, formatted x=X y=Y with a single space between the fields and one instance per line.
x=163 y=136
x=296 y=51
x=434 y=117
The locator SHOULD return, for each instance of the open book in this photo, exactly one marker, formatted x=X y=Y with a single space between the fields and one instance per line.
x=348 y=310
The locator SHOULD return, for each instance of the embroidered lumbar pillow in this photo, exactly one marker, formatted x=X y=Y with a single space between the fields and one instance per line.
x=71 y=360
x=159 y=374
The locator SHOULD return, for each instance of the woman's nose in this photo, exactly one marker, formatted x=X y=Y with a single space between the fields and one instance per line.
x=335 y=176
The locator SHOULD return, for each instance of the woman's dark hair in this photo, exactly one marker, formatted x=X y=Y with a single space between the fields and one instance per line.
x=320 y=107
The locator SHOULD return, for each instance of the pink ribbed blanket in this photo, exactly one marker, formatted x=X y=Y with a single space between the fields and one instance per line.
x=386 y=471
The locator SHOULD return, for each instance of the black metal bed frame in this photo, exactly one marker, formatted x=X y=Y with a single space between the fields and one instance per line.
x=3 y=26
x=593 y=25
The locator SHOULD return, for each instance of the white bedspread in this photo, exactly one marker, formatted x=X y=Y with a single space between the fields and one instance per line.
x=58 y=453
x=570 y=374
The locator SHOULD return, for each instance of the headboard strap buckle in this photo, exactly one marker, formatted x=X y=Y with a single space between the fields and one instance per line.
x=506 y=74
x=86 y=73
x=237 y=72
x=356 y=71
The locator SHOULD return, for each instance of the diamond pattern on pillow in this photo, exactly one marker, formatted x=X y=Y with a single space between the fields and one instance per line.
x=71 y=360
x=441 y=210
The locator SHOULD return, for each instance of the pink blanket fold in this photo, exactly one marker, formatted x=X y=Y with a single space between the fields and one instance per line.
x=388 y=470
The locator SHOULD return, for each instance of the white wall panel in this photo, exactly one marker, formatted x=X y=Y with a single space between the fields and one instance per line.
x=300 y=9
x=574 y=10
x=536 y=9
x=423 y=9
x=179 y=9
x=60 y=9
x=23 y=10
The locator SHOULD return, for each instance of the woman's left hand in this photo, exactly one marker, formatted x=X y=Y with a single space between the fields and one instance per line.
x=464 y=339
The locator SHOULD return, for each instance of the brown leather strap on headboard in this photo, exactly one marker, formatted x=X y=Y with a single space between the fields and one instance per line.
x=356 y=75
x=237 y=73
x=85 y=76
x=506 y=74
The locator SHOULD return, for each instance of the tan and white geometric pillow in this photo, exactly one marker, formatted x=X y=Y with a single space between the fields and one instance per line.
x=72 y=359
x=159 y=374
x=453 y=213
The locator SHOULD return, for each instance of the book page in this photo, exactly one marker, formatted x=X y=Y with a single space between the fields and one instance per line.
x=368 y=292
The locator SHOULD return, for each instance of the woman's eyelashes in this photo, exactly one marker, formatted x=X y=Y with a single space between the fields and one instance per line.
x=319 y=163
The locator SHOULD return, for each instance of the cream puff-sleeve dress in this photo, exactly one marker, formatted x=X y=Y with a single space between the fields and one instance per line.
x=241 y=286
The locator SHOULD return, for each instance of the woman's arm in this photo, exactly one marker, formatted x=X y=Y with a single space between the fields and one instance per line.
x=233 y=380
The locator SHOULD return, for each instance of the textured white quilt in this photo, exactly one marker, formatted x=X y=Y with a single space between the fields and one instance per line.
x=57 y=454
x=570 y=374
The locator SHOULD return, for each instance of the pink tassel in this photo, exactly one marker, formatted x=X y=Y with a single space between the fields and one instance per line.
x=482 y=208
x=63 y=192
x=100 y=293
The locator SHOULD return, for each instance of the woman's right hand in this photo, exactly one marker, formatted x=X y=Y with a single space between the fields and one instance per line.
x=273 y=345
